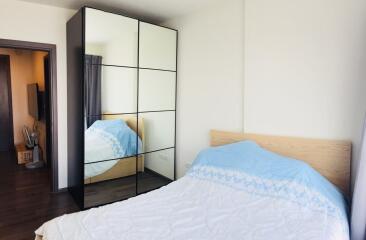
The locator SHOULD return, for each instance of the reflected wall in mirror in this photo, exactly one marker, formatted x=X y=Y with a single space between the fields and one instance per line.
x=157 y=104
x=159 y=130
x=156 y=90
x=108 y=90
x=119 y=90
x=161 y=162
x=158 y=47
x=159 y=170
x=111 y=36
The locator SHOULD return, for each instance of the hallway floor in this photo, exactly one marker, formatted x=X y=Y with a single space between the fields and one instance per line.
x=25 y=199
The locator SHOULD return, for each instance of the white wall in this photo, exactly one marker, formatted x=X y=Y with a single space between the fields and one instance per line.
x=305 y=68
x=210 y=52
x=39 y=23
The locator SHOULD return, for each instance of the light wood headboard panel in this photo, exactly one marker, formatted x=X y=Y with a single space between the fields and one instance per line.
x=331 y=158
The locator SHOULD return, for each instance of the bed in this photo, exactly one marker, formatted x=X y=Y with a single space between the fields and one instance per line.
x=234 y=190
x=120 y=167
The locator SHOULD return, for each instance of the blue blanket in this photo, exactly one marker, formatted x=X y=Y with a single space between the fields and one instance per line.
x=108 y=140
x=248 y=167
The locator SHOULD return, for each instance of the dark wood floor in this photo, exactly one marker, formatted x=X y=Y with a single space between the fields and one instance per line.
x=123 y=188
x=26 y=201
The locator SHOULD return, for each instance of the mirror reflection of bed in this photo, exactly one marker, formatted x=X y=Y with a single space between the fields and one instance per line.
x=113 y=161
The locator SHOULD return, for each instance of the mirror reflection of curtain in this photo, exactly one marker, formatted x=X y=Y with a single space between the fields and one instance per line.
x=93 y=88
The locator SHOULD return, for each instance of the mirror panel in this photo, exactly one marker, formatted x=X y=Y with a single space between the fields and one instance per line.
x=111 y=36
x=156 y=90
x=158 y=47
x=159 y=130
x=110 y=186
x=158 y=171
x=110 y=159
x=119 y=90
x=112 y=137
x=110 y=90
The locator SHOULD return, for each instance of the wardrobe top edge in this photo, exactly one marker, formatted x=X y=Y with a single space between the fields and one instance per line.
x=82 y=9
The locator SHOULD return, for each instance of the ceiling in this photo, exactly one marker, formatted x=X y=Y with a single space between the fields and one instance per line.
x=156 y=11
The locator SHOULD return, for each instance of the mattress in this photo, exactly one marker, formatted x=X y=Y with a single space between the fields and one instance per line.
x=227 y=194
x=191 y=208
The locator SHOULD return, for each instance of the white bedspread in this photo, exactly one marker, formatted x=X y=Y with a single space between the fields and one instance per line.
x=191 y=208
x=236 y=191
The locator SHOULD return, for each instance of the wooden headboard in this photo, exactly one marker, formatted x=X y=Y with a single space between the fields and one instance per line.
x=331 y=158
x=131 y=122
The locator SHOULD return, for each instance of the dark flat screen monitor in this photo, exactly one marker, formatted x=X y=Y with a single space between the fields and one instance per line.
x=33 y=106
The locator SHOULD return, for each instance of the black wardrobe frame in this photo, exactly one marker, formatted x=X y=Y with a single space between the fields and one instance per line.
x=75 y=108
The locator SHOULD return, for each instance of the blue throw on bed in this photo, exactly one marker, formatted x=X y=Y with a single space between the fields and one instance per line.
x=108 y=140
x=248 y=167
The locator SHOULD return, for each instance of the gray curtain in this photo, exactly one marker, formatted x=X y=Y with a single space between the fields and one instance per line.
x=92 y=85
x=358 y=218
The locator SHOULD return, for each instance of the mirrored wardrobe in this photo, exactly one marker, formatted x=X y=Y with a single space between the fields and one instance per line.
x=122 y=82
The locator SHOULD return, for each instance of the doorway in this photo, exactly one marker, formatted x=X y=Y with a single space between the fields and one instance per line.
x=45 y=117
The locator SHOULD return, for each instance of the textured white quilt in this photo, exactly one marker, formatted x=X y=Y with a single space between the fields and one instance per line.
x=192 y=208
x=236 y=191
